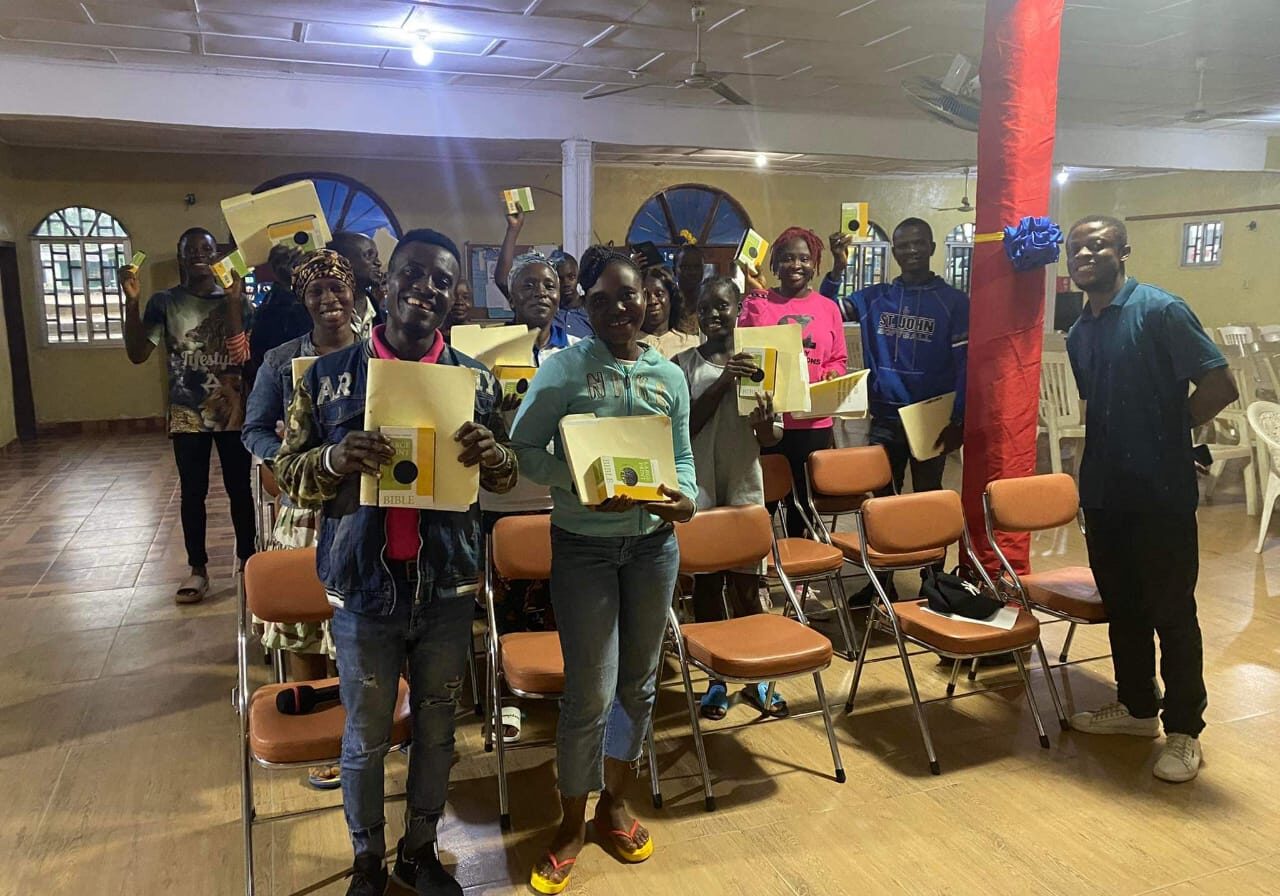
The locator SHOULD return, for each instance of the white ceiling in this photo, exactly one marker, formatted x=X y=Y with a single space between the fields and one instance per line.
x=1125 y=62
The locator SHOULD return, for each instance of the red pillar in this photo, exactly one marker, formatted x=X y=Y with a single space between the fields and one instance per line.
x=1019 y=73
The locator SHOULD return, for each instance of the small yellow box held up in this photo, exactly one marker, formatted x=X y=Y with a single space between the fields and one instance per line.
x=514 y=379
x=408 y=479
x=233 y=261
x=518 y=199
x=767 y=360
x=634 y=477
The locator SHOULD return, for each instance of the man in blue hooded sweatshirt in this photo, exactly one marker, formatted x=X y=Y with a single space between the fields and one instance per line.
x=915 y=342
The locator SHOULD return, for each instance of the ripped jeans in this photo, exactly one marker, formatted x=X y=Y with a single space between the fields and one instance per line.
x=433 y=636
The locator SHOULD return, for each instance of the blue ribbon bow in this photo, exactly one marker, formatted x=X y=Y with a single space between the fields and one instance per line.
x=1033 y=243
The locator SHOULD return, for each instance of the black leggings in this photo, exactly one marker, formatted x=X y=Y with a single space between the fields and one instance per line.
x=192 y=450
x=796 y=446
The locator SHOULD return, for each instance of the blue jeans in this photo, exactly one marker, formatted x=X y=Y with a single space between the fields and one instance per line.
x=433 y=636
x=611 y=597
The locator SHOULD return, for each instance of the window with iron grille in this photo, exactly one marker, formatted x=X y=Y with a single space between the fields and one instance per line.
x=959 y=247
x=868 y=262
x=78 y=251
x=1201 y=243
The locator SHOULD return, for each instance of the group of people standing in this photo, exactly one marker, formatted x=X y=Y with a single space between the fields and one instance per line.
x=615 y=337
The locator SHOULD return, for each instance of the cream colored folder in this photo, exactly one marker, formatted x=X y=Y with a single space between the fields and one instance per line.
x=436 y=396
x=300 y=366
x=252 y=217
x=924 y=421
x=844 y=397
x=586 y=438
x=792 y=391
x=386 y=244
x=491 y=346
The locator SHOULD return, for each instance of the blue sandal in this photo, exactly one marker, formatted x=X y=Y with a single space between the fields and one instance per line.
x=715 y=702
x=755 y=694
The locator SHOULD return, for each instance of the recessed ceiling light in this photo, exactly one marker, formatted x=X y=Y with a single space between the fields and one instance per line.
x=423 y=53
x=762 y=160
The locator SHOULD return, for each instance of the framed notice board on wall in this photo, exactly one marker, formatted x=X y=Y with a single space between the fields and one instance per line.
x=482 y=260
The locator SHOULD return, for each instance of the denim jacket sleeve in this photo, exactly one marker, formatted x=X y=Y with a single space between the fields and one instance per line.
x=261 y=413
x=299 y=464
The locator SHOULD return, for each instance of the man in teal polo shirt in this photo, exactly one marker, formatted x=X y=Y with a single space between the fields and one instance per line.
x=1135 y=351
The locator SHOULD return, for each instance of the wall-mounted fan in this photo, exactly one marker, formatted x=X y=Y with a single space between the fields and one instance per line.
x=955 y=99
x=699 y=78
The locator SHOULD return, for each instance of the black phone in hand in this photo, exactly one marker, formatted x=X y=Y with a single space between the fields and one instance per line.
x=1202 y=455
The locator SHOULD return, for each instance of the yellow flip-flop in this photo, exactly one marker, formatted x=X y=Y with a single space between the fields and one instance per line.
x=546 y=885
x=635 y=856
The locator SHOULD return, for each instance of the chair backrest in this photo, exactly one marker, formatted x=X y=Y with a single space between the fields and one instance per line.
x=842 y=477
x=1236 y=335
x=521 y=547
x=1264 y=419
x=1268 y=371
x=722 y=538
x=267 y=479
x=282 y=586
x=1032 y=503
x=1244 y=375
x=776 y=471
x=1269 y=333
x=905 y=524
x=1059 y=397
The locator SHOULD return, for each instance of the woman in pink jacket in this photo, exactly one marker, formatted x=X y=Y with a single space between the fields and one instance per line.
x=794 y=260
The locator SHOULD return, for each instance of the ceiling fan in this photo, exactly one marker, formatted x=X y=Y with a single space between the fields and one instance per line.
x=965 y=205
x=699 y=78
x=1200 y=115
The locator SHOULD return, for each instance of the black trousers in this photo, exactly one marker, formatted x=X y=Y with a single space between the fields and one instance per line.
x=796 y=446
x=192 y=452
x=926 y=475
x=1146 y=566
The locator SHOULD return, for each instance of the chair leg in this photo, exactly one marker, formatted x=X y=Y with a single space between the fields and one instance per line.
x=495 y=734
x=654 y=785
x=1031 y=698
x=709 y=800
x=279 y=667
x=955 y=676
x=831 y=731
x=915 y=704
x=1053 y=687
x=1055 y=454
x=1250 y=488
x=1268 y=502
x=862 y=655
x=475 y=681
x=973 y=670
x=1066 y=645
x=247 y=814
x=843 y=614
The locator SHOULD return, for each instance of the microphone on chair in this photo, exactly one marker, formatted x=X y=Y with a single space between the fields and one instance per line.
x=300 y=699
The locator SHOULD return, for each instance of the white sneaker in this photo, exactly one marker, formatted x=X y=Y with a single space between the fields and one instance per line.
x=1179 y=760
x=1114 y=718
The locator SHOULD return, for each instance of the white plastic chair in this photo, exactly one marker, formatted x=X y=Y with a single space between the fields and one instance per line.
x=1230 y=440
x=1237 y=335
x=1059 y=406
x=1264 y=418
x=1269 y=333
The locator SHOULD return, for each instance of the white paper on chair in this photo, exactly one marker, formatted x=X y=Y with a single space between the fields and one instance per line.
x=1004 y=618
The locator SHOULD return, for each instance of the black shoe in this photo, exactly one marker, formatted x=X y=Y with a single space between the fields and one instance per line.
x=432 y=879
x=368 y=876
x=406 y=868
x=867 y=595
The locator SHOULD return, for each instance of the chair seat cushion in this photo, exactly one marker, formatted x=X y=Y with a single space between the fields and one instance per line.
x=962 y=637
x=1070 y=591
x=803 y=557
x=314 y=737
x=532 y=662
x=847 y=542
x=762 y=647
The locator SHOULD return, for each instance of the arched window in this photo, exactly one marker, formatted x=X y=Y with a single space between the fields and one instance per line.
x=712 y=217
x=78 y=251
x=868 y=262
x=959 y=256
x=347 y=203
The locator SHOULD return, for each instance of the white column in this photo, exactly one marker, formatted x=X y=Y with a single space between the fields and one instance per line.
x=1051 y=278
x=577 y=179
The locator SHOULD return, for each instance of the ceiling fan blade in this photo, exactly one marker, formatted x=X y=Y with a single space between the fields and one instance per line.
x=730 y=94
x=616 y=90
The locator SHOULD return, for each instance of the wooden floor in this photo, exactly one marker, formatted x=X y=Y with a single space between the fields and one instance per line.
x=118 y=746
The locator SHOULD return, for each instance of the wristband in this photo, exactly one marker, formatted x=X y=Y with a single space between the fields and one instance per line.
x=506 y=453
x=324 y=460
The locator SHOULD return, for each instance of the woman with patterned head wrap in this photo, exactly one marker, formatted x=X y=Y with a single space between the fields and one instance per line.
x=326 y=287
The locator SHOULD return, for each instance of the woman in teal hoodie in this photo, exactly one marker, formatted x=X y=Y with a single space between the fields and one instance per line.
x=613 y=567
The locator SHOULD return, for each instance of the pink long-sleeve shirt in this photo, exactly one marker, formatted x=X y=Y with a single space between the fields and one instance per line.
x=823 y=330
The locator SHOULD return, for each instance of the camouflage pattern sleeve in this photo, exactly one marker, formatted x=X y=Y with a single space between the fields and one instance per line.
x=501 y=478
x=299 y=465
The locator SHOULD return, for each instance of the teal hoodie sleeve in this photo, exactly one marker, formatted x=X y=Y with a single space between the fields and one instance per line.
x=538 y=422
x=685 y=472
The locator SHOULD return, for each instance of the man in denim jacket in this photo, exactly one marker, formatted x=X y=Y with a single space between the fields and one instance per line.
x=402 y=581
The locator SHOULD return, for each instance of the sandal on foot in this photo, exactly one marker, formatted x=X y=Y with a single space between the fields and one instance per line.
x=511 y=718
x=618 y=839
x=715 y=702
x=755 y=694
x=543 y=884
x=325 y=777
x=192 y=590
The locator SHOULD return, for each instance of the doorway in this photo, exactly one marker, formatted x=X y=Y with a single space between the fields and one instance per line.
x=24 y=405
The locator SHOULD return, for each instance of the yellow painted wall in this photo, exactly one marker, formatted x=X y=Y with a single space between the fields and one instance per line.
x=8 y=428
x=1243 y=288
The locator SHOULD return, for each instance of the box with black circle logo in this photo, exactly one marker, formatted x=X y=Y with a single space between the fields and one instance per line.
x=408 y=479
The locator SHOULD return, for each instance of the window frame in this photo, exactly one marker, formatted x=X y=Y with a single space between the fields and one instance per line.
x=1187 y=246
x=959 y=253
x=353 y=186
x=854 y=276
x=81 y=240
x=702 y=237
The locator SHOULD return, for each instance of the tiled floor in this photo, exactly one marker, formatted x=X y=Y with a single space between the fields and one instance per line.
x=118 y=747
